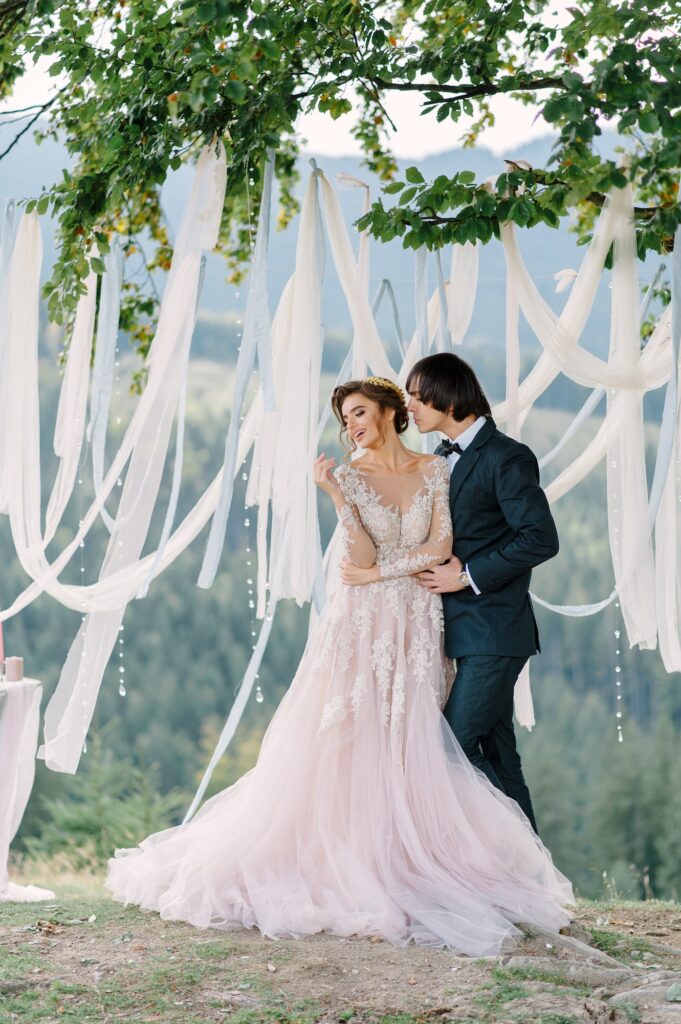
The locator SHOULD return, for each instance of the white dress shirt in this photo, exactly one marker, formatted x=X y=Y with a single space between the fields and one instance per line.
x=463 y=440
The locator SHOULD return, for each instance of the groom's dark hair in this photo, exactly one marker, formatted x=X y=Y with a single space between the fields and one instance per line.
x=447 y=383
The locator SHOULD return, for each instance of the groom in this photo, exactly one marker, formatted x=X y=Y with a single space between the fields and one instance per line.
x=503 y=528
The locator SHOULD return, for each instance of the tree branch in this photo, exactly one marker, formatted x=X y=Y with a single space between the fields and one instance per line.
x=468 y=90
x=41 y=110
x=597 y=198
x=11 y=13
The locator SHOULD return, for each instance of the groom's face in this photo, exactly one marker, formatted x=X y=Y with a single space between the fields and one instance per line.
x=425 y=416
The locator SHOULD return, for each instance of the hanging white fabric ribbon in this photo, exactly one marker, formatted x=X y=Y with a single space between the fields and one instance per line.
x=24 y=388
x=523 y=705
x=663 y=467
x=364 y=326
x=632 y=556
x=655 y=358
x=178 y=464
x=21 y=364
x=513 y=421
x=236 y=711
x=597 y=450
x=294 y=437
x=421 y=301
x=386 y=288
x=287 y=437
x=594 y=399
x=71 y=412
x=358 y=360
x=411 y=354
x=264 y=427
x=103 y=367
x=559 y=335
x=463 y=286
x=7 y=227
x=584 y=414
x=256 y=336
x=667 y=525
x=69 y=712
x=444 y=338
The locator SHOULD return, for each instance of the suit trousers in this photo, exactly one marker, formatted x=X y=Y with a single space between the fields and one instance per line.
x=480 y=714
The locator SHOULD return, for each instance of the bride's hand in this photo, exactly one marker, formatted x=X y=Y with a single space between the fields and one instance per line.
x=353 y=576
x=325 y=479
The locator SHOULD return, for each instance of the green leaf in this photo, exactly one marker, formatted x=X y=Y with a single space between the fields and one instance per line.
x=467 y=177
x=235 y=90
x=414 y=176
x=407 y=196
x=521 y=212
x=393 y=187
x=648 y=121
x=97 y=265
x=43 y=203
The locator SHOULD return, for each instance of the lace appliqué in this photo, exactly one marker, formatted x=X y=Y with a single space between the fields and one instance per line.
x=334 y=712
x=359 y=691
x=347 y=520
x=382 y=661
x=385 y=638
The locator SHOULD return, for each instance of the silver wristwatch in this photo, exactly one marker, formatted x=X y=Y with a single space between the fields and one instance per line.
x=464 y=579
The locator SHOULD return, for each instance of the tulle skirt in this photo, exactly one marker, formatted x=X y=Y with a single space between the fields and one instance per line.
x=362 y=815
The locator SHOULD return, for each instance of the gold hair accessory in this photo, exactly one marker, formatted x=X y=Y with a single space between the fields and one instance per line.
x=383 y=382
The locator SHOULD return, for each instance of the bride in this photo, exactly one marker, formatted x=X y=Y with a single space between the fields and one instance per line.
x=362 y=814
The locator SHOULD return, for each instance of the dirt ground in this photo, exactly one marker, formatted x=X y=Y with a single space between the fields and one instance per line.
x=84 y=958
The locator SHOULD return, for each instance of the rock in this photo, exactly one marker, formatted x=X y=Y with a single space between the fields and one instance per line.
x=674 y=993
x=568 y=944
x=659 y=947
x=580 y=973
x=654 y=990
x=575 y=931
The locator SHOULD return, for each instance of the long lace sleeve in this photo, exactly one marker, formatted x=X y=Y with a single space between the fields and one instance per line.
x=359 y=546
x=438 y=547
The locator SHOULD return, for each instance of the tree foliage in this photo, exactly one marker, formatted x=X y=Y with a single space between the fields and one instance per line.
x=143 y=83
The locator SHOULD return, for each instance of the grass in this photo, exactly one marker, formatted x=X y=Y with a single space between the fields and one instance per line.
x=555 y=982
x=87 y=960
x=503 y=989
x=621 y=947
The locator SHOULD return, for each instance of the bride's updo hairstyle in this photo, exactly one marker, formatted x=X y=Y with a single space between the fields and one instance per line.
x=378 y=389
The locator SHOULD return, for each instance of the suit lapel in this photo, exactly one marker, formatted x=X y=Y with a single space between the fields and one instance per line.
x=469 y=458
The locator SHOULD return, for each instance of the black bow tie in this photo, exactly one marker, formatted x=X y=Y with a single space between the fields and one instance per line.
x=452 y=446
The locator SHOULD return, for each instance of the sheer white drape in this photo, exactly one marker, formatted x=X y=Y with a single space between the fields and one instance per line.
x=145 y=446
x=70 y=424
x=285 y=439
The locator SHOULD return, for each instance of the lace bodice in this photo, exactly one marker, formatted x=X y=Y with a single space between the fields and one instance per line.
x=400 y=521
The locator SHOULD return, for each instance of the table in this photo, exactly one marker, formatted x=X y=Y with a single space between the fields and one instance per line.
x=19 y=724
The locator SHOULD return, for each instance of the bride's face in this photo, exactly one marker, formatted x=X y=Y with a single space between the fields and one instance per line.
x=367 y=424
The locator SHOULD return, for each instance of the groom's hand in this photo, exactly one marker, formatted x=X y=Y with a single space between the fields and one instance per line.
x=443 y=579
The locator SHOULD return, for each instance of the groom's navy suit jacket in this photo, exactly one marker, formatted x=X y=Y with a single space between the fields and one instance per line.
x=502 y=528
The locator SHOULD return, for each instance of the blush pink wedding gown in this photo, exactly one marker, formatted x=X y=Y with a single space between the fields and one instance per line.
x=362 y=814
